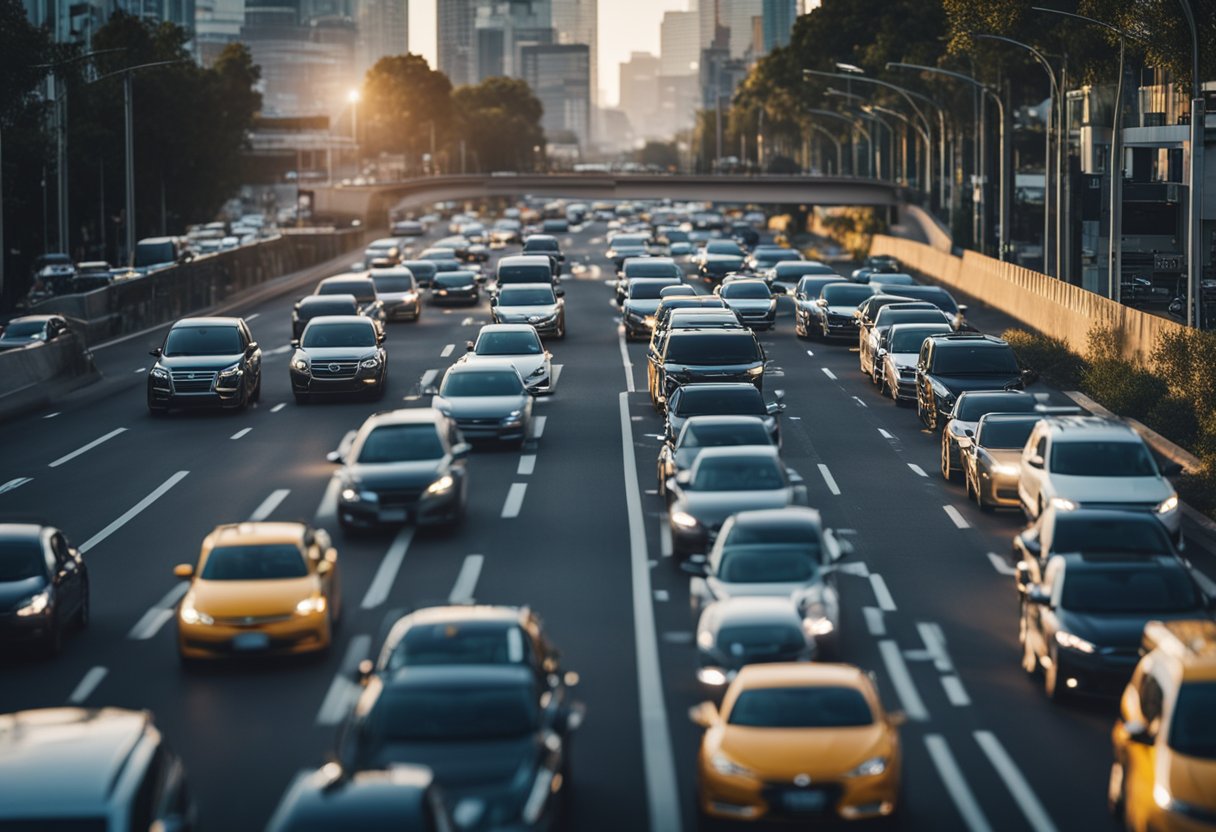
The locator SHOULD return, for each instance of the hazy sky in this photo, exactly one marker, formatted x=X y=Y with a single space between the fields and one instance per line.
x=625 y=26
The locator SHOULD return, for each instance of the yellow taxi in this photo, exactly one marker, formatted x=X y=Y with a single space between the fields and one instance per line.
x=1163 y=777
x=259 y=588
x=798 y=742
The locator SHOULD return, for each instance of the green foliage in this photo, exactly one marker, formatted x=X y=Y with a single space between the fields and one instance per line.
x=500 y=121
x=1185 y=359
x=1050 y=357
x=853 y=228
x=402 y=99
x=663 y=154
x=1117 y=383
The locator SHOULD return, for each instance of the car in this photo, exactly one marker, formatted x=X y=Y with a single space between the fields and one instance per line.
x=398 y=799
x=95 y=769
x=362 y=287
x=764 y=259
x=53 y=272
x=526 y=268
x=731 y=398
x=990 y=458
x=785 y=553
x=745 y=234
x=806 y=294
x=964 y=417
x=831 y=315
x=398 y=293
x=869 y=308
x=935 y=295
x=1095 y=462
x=719 y=354
x=890 y=281
x=718 y=259
x=678 y=290
x=519 y=344
x=949 y=365
x=408 y=228
x=455 y=287
x=723 y=481
x=392 y=249
x=160 y=252
x=44 y=587
x=670 y=302
x=487 y=400
x=313 y=306
x=339 y=354
x=464 y=248
x=259 y=588
x=882 y=263
x=90 y=275
x=655 y=267
x=505 y=232
x=1082 y=615
x=402 y=466
x=444 y=260
x=641 y=305
x=800 y=742
x=1091 y=531
x=205 y=362
x=555 y=226
x=518 y=731
x=898 y=351
x=678 y=242
x=745 y=630
x=789 y=273
x=530 y=303
x=32 y=329
x=423 y=271
x=699 y=432
x=875 y=318
x=752 y=299
x=1162 y=776
x=709 y=313
x=544 y=244
x=624 y=246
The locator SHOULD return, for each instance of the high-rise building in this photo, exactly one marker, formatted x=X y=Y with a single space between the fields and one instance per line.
x=680 y=43
x=779 y=16
x=75 y=21
x=560 y=76
x=455 y=42
x=384 y=29
x=711 y=27
x=576 y=21
x=216 y=24
x=737 y=17
x=502 y=28
x=640 y=91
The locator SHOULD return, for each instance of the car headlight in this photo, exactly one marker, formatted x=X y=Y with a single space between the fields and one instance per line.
x=230 y=372
x=441 y=486
x=310 y=606
x=1063 y=504
x=714 y=677
x=538 y=372
x=1005 y=470
x=350 y=494
x=684 y=520
x=35 y=605
x=1168 y=504
x=1073 y=642
x=818 y=626
x=190 y=615
x=869 y=768
x=512 y=417
x=370 y=363
x=725 y=765
x=300 y=364
x=160 y=372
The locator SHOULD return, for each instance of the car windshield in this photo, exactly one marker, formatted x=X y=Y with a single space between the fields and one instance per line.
x=23 y=329
x=1149 y=589
x=494 y=383
x=723 y=247
x=718 y=436
x=845 y=294
x=508 y=343
x=393 y=282
x=746 y=289
x=254 y=562
x=452 y=280
x=526 y=297
x=655 y=269
x=768 y=564
x=21 y=559
x=972 y=407
x=733 y=402
x=435 y=714
x=1092 y=458
x=738 y=473
x=1135 y=535
x=541 y=245
x=363 y=290
x=801 y=707
x=339 y=335
x=910 y=340
x=1005 y=435
x=1193 y=731
x=975 y=360
x=401 y=443
x=646 y=291
x=462 y=642
x=748 y=641
x=712 y=348
x=203 y=340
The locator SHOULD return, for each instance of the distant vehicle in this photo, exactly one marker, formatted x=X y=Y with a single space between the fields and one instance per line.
x=423 y=271
x=641 y=303
x=519 y=344
x=719 y=258
x=701 y=432
x=157 y=252
x=339 y=355
x=408 y=228
x=364 y=290
x=948 y=365
x=527 y=268
x=386 y=248
x=54 y=272
x=32 y=329
x=872 y=331
x=398 y=799
x=312 y=306
x=531 y=303
x=752 y=300
x=455 y=287
x=90 y=275
x=44 y=588
x=398 y=293
x=555 y=226
x=208 y=362
x=548 y=246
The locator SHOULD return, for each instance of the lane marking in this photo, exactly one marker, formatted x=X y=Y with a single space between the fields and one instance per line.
x=269 y=504
x=446 y=351
x=885 y=435
x=881 y=594
x=557 y=373
x=240 y=433
x=874 y=621
x=133 y=511
x=139 y=370
x=829 y=479
x=859 y=401
x=1037 y=816
x=999 y=564
x=956 y=784
x=629 y=387
x=916 y=469
x=386 y=573
x=515 y=500
x=955 y=691
x=828 y=373
x=86 y=448
x=344 y=690
x=959 y=520
x=87 y=685
x=278 y=407
x=527 y=464
x=13 y=485
x=249 y=318
x=664 y=535
x=935 y=646
x=427 y=379
x=466 y=581
x=159 y=614
x=327 y=510
x=901 y=680
x=663 y=795
x=51 y=415
x=808 y=352
x=538 y=426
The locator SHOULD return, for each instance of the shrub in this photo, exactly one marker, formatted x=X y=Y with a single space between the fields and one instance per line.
x=1050 y=357
x=1185 y=359
x=1174 y=417
x=1116 y=382
x=1198 y=489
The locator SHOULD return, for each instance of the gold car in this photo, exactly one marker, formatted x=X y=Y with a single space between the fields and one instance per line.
x=259 y=588
x=798 y=742
x=1163 y=777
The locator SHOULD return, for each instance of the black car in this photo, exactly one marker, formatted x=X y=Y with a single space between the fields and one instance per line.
x=496 y=739
x=364 y=290
x=206 y=362
x=548 y=246
x=720 y=258
x=44 y=587
x=313 y=306
x=806 y=294
x=832 y=313
x=1083 y=615
x=526 y=268
x=704 y=355
x=935 y=295
x=422 y=270
x=90 y=275
x=722 y=399
x=398 y=799
x=669 y=304
x=1091 y=531
x=340 y=354
x=455 y=287
x=951 y=364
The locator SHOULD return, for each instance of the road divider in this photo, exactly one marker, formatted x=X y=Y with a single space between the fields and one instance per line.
x=527 y=464
x=86 y=448
x=133 y=511
x=538 y=426
x=386 y=574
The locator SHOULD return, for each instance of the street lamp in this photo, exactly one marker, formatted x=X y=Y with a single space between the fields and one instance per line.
x=1194 y=260
x=352 y=97
x=853 y=125
x=859 y=102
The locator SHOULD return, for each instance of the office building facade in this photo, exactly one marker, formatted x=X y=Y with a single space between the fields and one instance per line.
x=560 y=76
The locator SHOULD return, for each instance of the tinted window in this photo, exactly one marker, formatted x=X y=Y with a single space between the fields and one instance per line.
x=810 y=707
x=971 y=408
x=1102 y=459
x=478 y=642
x=975 y=359
x=768 y=564
x=541 y=245
x=152 y=254
x=393 y=282
x=646 y=291
x=363 y=290
x=420 y=268
x=655 y=269
x=939 y=299
x=256 y=562
x=313 y=310
x=1193 y=731
x=450 y=280
x=21 y=559
x=909 y=340
x=845 y=294
x=723 y=247
x=890 y=317
x=812 y=286
x=203 y=340
x=746 y=289
x=713 y=348
x=738 y=473
x=1005 y=435
x=526 y=297
x=452 y=714
x=1143 y=535
x=23 y=330
x=339 y=335
x=1149 y=589
x=508 y=343
x=750 y=533
x=525 y=274
x=401 y=443
x=716 y=436
x=736 y=402
x=495 y=383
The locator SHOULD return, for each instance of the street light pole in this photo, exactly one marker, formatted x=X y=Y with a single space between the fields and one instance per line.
x=1194 y=259
x=833 y=114
x=834 y=140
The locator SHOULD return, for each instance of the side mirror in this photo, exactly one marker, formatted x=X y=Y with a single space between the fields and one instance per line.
x=468 y=346
x=1171 y=469
x=185 y=571
x=154 y=352
x=381 y=337
x=559 y=292
x=705 y=714
x=295 y=343
x=334 y=456
x=962 y=309
x=252 y=348
x=1035 y=461
x=462 y=450
x=493 y=300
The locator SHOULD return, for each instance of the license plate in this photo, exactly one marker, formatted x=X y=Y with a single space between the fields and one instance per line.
x=393 y=515
x=804 y=801
x=250 y=641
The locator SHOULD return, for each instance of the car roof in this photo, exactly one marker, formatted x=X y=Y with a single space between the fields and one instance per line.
x=453 y=613
x=718 y=387
x=788 y=516
x=506 y=328
x=526 y=260
x=11 y=532
x=723 y=421
x=347 y=798
x=512 y=286
x=342 y=278
x=321 y=320
x=739 y=451
x=257 y=532
x=405 y=416
x=29 y=319
x=800 y=674
x=214 y=321
x=316 y=300
x=540 y=238
x=1121 y=560
x=1084 y=428
x=648 y=261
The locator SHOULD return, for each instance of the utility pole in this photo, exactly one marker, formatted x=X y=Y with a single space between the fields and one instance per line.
x=129 y=157
x=1194 y=224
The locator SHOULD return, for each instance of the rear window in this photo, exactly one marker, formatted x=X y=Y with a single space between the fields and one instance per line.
x=746 y=290
x=393 y=282
x=1150 y=590
x=526 y=297
x=1134 y=535
x=259 y=562
x=717 y=436
x=734 y=402
x=1005 y=435
x=801 y=707
x=656 y=269
x=401 y=443
x=1102 y=459
x=525 y=274
x=975 y=359
x=846 y=294
x=713 y=348
x=646 y=291
x=971 y=408
x=910 y=340
x=313 y=310
x=363 y=290
x=455 y=279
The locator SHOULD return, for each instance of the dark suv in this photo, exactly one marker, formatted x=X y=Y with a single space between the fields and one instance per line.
x=701 y=355
x=952 y=364
x=212 y=362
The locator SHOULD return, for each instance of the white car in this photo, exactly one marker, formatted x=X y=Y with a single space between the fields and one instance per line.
x=1075 y=462
x=518 y=344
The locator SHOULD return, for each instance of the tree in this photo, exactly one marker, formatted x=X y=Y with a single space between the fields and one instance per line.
x=500 y=122
x=662 y=154
x=403 y=101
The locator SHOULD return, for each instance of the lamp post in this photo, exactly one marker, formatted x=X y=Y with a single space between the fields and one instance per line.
x=352 y=97
x=833 y=114
x=834 y=140
x=908 y=123
x=859 y=103
x=1194 y=259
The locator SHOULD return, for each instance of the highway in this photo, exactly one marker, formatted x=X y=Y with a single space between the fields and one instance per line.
x=570 y=525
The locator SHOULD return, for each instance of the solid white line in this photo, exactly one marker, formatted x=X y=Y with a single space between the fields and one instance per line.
x=874 y=622
x=916 y=469
x=527 y=464
x=134 y=510
x=51 y=415
x=625 y=360
x=999 y=564
x=1018 y=787
x=86 y=448
x=935 y=646
x=885 y=435
x=901 y=680
x=515 y=500
x=269 y=504
x=955 y=691
x=13 y=485
x=828 y=373
x=447 y=350
x=466 y=581
x=278 y=407
x=664 y=536
x=386 y=574
x=427 y=379
x=87 y=685
x=538 y=426
x=859 y=401
x=663 y=795
x=958 y=518
x=240 y=433
x=829 y=479
x=327 y=511
x=150 y=624
x=956 y=784
x=343 y=690
x=881 y=594
x=557 y=373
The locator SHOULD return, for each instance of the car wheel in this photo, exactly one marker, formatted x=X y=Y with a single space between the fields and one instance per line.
x=948 y=472
x=301 y=398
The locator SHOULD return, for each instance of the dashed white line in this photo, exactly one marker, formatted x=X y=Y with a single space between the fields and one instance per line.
x=557 y=373
x=428 y=379
x=87 y=685
x=51 y=415
x=859 y=401
x=278 y=407
x=327 y=510
x=269 y=504
x=935 y=645
x=885 y=435
x=829 y=479
x=515 y=500
x=159 y=615
x=955 y=691
x=1018 y=787
x=881 y=594
x=134 y=510
x=828 y=373
x=901 y=680
x=874 y=621
x=139 y=370
x=625 y=360
x=538 y=426
x=527 y=464
x=447 y=350
x=86 y=448
x=811 y=354
x=240 y=433
x=661 y=595
x=999 y=564
x=664 y=536
x=956 y=517
x=286 y=348
x=916 y=469
x=386 y=574
x=255 y=315
x=466 y=581
x=13 y=485
x=956 y=784
x=343 y=690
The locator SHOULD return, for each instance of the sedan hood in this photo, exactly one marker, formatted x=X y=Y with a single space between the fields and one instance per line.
x=748 y=304
x=236 y=599
x=903 y=359
x=961 y=384
x=199 y=362
x=395 y=475
x=820 y=753
x=713 y=507
x=1115 y=629
x=521 y=314
x=1112 y=489
x=643 y=307
x=13 y=593
x=479 y=407
x=723 y=589
x=524 y=364
x=842 y=311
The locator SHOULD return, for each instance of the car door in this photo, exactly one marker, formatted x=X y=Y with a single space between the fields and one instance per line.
x=1040 y=619
x=924 y=385
x=1032 y=473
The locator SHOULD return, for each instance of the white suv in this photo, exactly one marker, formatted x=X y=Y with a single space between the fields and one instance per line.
x=1094 y=462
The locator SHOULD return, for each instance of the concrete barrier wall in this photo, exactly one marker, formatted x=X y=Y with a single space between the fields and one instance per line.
x=1042 y=303
x=63 y=357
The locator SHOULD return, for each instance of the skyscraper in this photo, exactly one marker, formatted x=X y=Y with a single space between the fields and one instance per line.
x=384 y=29
x=455 y=43
x=680 y=43
x=640 y=91
x=737 y=17
x=216 y=24
x=501 y=29
x=575 y=21
x=779 y=18
x=560 y=76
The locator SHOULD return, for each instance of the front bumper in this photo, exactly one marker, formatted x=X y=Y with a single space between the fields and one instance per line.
x=492 y=429
x=285 y=635
x=547 y=326
x=1104 y=672
x=743 y=798
x=834 y=327
x=166 y=393
x=757 y=320
x=454 y=296
x=997 y=489
x=363 y=380
x=903 y=385
x=403 y=310
x=400 y=507
x=20 y=629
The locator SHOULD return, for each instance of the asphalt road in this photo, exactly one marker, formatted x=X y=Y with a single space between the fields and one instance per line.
x=570 y=525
